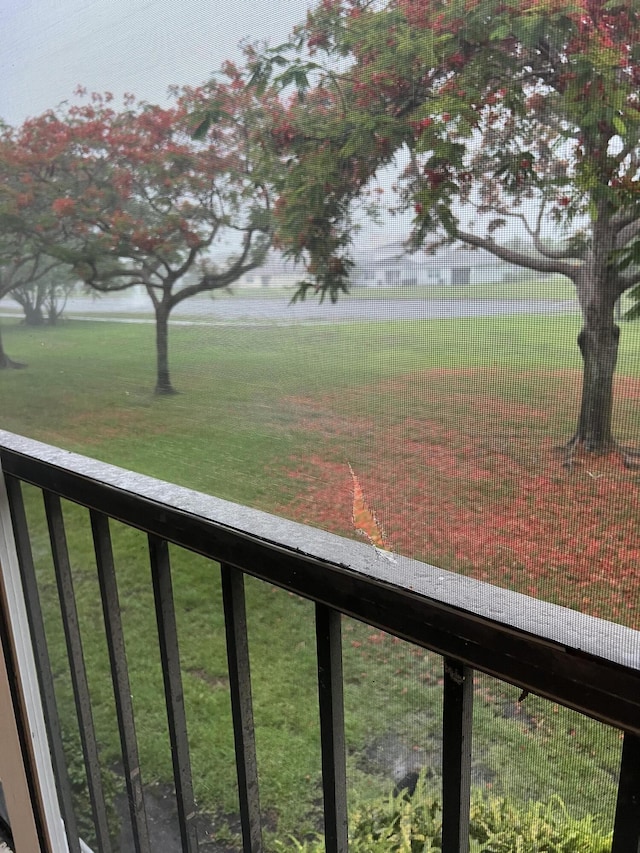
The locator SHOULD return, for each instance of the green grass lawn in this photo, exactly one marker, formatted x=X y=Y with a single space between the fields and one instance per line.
x=267 y=417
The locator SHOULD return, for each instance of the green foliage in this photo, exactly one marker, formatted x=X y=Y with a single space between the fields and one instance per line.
x=413 y=824
x=501 y=107
x=500 y=825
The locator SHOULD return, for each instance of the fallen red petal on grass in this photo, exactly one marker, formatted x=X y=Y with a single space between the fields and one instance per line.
x=452 y=490
x=364 y=520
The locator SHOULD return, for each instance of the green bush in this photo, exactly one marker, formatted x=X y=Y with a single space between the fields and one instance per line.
x=502 y=826
x=412 y=824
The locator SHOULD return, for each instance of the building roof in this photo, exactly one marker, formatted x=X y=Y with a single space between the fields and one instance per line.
x=448 y=257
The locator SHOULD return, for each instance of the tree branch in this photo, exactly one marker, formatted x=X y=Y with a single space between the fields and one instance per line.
x=217 y=281
x=516 y=257
x=627 y=281
x=627 y=233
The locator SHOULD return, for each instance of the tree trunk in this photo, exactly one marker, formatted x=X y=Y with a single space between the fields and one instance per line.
x=33 y=314
x=163 y=380
x=598 y=342
x=5 y=362
x=30 y=300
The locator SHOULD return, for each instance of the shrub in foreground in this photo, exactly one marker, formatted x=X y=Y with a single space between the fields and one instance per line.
x=412 y=824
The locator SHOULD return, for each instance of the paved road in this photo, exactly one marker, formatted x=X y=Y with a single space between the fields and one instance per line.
x=278 y=310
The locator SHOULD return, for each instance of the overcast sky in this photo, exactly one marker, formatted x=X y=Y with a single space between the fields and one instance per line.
x=48 y=47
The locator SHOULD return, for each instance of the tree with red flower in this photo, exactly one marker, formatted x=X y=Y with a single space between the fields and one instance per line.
x=524 y=114
x=129 y=197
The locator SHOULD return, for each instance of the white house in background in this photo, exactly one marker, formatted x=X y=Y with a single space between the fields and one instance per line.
x=389 y=265
x=276 y=272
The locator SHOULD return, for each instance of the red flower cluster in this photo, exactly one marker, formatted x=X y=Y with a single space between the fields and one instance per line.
x=63 y=206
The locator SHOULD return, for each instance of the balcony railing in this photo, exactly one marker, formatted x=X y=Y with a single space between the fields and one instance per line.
x=574 y=660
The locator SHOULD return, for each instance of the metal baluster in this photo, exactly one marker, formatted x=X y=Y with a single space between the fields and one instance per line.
x=330 y=687
x=457 y=716
x=41 y=656
x=120 y=678
x=174 y=695
x=73 y=640
x=626 y=833
x=235 y=618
